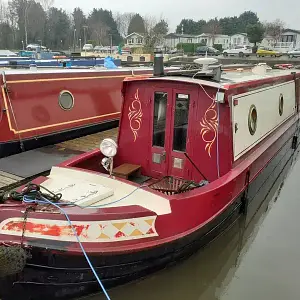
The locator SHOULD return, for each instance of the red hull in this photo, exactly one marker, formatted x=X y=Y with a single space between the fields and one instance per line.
x=30 y=102
x=136 y=228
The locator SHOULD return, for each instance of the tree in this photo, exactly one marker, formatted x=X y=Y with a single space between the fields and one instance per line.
x=255 y=33
x=230 y=25
x=155 y=31
x=213 y=28
x=123 y=20
x=189 y=26
x=59 y=32
x=79 y=21
x=245 y=19
x=103 y=28
x=36 y=21
x=274 y=29
x=6 y=36
x=137 y=25
x=46 y=4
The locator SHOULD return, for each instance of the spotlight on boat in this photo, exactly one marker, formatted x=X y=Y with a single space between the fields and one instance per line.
x=108 y=148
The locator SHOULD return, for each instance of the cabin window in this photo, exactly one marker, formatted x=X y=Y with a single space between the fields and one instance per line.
x=280 y=104
x=181 y=117
x=252 y=120
x=159 y=121
x=66 y=100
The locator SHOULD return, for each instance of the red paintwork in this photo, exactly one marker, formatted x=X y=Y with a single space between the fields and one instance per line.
x=34 y=98
x=190 y=211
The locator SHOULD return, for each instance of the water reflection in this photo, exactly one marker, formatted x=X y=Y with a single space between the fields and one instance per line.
x=210 y=273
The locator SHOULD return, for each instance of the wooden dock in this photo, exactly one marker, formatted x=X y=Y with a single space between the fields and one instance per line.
x=17 y=168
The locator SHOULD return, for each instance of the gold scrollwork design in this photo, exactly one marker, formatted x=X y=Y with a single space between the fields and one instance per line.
x=135 y=115
x=209 y=125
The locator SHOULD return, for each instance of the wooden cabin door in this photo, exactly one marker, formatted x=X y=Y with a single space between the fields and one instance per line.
x=170 y=135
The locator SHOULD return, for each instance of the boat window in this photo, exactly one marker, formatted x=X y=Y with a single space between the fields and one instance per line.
x=66 y=100
x=181 y=122
x=252 y=120
x=159 y=121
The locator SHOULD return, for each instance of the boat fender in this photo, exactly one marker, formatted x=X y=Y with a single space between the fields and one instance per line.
x=12 y=260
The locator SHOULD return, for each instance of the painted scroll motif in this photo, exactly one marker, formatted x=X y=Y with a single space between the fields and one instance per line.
x=209 y=124
x=135 y=115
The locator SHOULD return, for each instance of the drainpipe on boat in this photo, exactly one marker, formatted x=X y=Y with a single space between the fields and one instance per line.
x=158 y=68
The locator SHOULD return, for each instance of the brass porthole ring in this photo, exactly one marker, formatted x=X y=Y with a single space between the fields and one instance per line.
x=252 y=119
x=66 y=100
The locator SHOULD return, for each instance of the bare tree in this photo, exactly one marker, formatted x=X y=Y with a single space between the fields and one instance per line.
x=123 y=20
x=3 y=12
x=213 y=28
x=156 y=29
x=274 y=29
x=99 y=32
x=46 y=4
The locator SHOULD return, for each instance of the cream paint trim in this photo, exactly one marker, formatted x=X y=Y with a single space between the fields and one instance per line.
x=91 y=231
x=283 y=118
x=140 y=197
x=73 y=78
x=48 y=126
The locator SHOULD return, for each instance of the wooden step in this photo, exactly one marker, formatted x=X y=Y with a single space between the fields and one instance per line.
x=126 y=170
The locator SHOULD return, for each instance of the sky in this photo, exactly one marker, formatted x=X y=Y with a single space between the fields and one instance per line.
x=175 y=10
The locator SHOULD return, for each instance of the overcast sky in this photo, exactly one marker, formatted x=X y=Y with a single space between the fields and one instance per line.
x=175 y=10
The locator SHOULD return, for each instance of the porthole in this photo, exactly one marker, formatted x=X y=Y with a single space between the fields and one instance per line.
x=66 y=100
x=281 y=102
x=252 y=119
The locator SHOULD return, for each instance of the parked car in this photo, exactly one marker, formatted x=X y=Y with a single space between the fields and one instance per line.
x=265 y=51
x=209 y=50
x=241 y=51
x=34 y=47
x=294 y=53
x=88 y=47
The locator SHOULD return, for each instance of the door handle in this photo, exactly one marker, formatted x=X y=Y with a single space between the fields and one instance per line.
x=163 y=156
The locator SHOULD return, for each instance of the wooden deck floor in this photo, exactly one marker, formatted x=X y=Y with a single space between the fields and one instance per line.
x=82 y=144
x=89 y=142
x=8 y=179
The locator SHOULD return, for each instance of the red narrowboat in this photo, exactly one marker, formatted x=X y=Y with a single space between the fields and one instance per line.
x=46 y=106
x=194 y=148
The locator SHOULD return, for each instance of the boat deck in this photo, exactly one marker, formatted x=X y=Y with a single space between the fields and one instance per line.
x=22 y=167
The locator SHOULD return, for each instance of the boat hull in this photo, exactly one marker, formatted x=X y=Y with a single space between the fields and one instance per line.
x=65 y=275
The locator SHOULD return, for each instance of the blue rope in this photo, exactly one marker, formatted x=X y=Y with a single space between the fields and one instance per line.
x=46 y=201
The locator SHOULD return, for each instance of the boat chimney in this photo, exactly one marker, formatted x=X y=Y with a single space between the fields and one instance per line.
x=158 y=68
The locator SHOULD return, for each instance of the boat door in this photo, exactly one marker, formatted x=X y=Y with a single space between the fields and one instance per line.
x=170 y=132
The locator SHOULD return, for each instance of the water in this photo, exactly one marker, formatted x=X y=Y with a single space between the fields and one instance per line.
x=257 y=258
